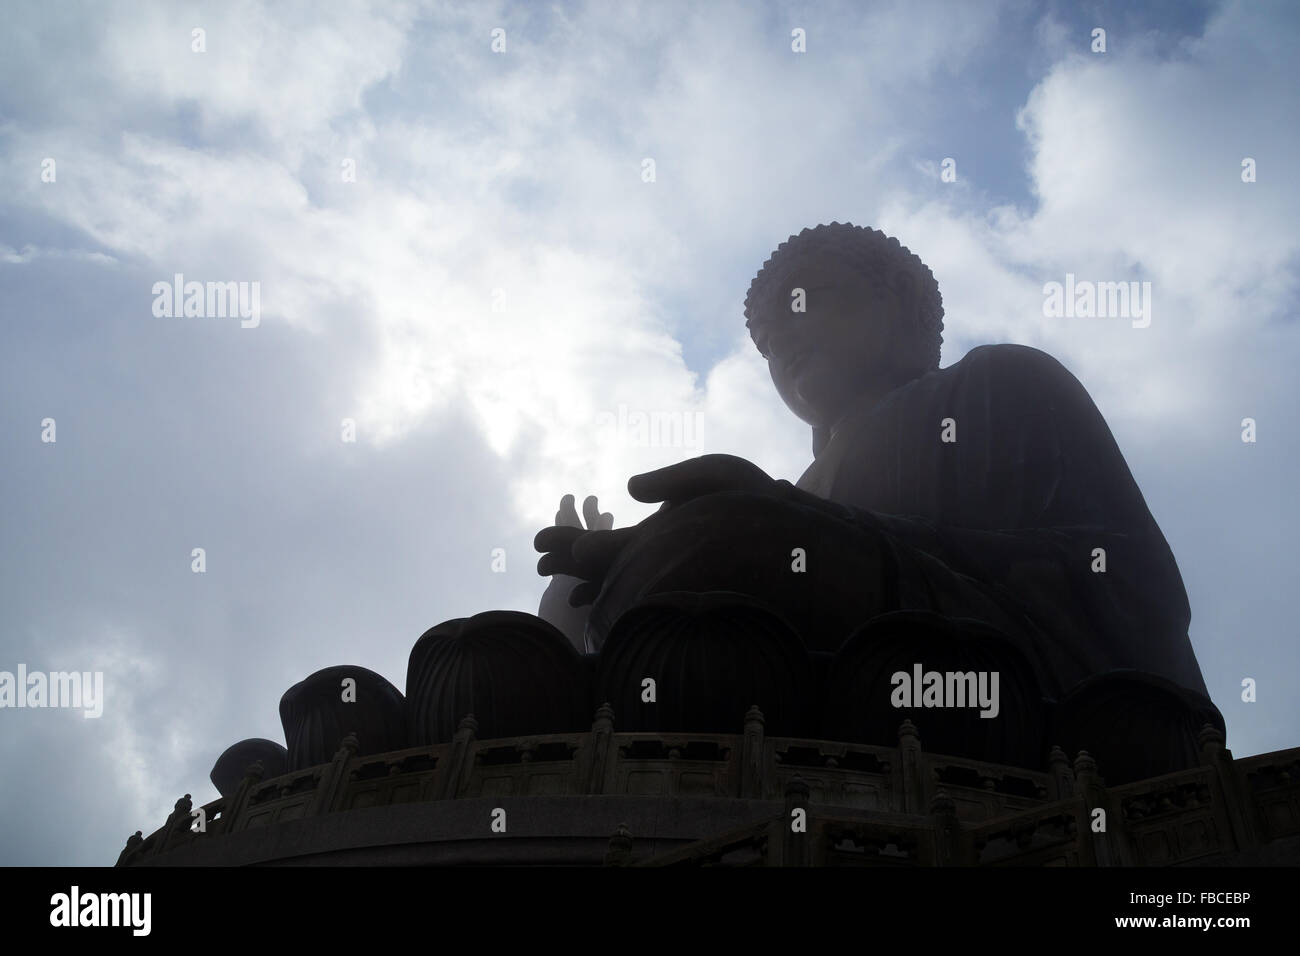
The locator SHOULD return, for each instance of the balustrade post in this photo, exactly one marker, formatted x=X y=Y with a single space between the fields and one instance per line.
x=1058 y=767
x=460 y=763
x=948 y=842
x=796 y=846
x=753 y=759
x=131 y=849
x=178 y=821
x=1238 y=810
x=911 y=794
x=332 y=787
x=233 y=813
x=1108 y=848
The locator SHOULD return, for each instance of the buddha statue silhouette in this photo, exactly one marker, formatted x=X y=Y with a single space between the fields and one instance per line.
x=985 y=505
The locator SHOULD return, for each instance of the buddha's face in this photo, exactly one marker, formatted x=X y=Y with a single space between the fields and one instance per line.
x=841 y=347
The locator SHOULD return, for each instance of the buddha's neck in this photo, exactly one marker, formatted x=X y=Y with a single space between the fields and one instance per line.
x=866 y=399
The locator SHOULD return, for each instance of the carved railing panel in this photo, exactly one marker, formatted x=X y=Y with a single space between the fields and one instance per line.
x=1273 y=781
x=677 y=764
x=1174 y=819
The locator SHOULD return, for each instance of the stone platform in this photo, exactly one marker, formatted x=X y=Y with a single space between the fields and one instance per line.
x=605 y=797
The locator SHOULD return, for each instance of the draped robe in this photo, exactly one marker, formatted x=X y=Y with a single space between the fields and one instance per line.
x=1033 y=483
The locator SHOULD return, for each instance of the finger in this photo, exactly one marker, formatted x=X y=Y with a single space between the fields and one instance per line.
x=556 y=538
x=584 y=593
x=606 y=521
x=591 y=513
x=651 y=485
x=567 y=516
x=557 y=563
x=686 y=479
x=559 y=559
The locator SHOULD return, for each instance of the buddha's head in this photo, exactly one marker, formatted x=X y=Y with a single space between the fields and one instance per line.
x=871 y=318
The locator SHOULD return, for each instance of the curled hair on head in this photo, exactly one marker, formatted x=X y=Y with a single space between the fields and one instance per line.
x=872 y=254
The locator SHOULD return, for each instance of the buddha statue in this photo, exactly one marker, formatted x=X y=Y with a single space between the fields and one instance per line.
x=988 y=497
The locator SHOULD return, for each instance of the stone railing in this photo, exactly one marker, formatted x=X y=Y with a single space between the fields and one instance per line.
x=865 y=804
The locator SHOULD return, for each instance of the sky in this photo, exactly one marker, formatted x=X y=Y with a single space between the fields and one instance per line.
x=459 y=250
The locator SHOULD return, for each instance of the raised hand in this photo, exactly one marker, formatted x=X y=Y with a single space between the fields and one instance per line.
x=580 y=557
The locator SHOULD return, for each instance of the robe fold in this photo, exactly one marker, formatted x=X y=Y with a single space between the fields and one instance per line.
x=1016 y=506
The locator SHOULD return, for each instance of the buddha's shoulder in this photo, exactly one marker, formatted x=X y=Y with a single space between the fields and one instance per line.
x=1009 y=366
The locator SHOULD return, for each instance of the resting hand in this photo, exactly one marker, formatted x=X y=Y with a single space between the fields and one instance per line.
x=695 y=477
